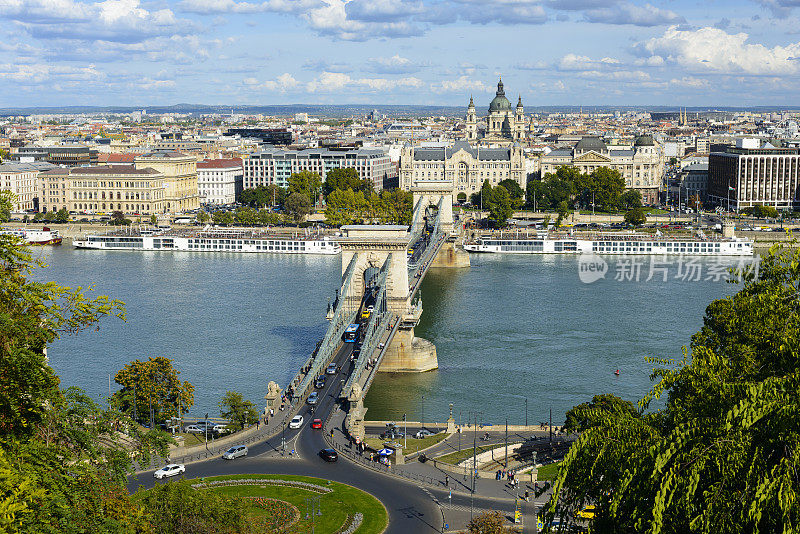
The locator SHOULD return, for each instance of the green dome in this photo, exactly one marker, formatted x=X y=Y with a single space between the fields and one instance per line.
x=500 y=102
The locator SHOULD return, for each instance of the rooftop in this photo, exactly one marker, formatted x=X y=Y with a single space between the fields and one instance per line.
x=230 y=163
x=113 y=169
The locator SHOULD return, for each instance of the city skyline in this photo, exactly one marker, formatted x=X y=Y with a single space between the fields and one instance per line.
x=591 y=52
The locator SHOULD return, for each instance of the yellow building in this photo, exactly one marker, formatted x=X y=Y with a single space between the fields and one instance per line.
x=107 y=188
x=180 y=178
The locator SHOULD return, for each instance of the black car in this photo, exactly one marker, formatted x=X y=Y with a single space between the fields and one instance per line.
x=320 y=383
x=329 y=455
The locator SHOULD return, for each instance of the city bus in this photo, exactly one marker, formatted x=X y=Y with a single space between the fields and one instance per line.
x=351 y=333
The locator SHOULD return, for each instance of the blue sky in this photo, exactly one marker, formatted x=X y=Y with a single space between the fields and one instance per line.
x=552 y=52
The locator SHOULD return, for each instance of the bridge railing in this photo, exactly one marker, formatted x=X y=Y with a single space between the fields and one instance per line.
x=344 y=314
x=375 y=327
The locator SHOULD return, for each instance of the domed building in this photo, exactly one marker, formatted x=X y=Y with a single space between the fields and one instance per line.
x=503 y=123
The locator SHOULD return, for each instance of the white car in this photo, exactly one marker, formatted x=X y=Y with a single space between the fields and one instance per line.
x=220 y=429
x=235 y=452
x=194 y=429
x=170 y=471
x=423 y=434
x=296 y=422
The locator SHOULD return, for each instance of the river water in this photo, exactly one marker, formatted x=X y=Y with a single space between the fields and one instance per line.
x=507 y=329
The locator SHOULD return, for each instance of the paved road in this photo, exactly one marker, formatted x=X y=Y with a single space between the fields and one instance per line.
x=411 y=509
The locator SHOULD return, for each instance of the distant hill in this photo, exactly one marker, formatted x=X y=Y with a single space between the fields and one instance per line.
x=348 y=110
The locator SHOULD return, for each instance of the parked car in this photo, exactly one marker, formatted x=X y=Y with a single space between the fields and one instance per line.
x=169 y=470
x=194 y=429
x=235 y=452
x=220 y=429
x=329 y=455
x=320 y=383
x=296 y=422
x=312 y=399
x=423 y=434
x=316 y=424
x=331 y=370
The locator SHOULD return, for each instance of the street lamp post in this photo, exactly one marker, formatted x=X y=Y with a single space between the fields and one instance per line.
x=526 y=411
x=283 y=439
x=206 y=429
x=405 y=432
x=422 y=421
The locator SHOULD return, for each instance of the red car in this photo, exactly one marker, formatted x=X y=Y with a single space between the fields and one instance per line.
x=316 y=423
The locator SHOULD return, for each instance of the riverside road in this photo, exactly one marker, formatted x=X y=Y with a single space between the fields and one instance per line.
x=412 y=507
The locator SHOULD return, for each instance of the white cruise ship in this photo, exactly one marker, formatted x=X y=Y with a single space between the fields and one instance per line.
x=611 y=243
x=45 y=236
x=210 y=240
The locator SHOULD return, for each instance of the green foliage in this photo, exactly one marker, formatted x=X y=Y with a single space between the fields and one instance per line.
x=581 y=417
x=119 y=219
x=630 y=199
x=563 y=210
x=157 y=386
x=761 y=212
x=7 y=199
x=513 y=188
x=237 y=410
x=305 y=183
x=488 y=523
x=604 y=187
x=222 y=218
x=345 y=206
x=202 y=217
x=297 y=206
x=345 y=179
x=636 y=216
x=263 y=195
x=722 y=455
x=177 y=508
x=500 y=205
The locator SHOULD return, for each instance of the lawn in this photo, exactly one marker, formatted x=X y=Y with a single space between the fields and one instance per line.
x=412 y=444
x=547 y=472
x=459 y=456
x=344 y=500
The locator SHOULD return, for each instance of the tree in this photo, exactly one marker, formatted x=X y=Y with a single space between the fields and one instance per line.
x=607 y=186
x=63 y=458
x=345 y=207
x=345 y=179
x=297 y=205
x=500 y=205
x=202 y=217
x=636 y=217
x=153 y=388
x=62 y=216
x=305 y=183
x=563 y=211
x=222 y=218
x=513 y=188
x=7 y=199
x=720 y=455
x=246 y=216
x=695 y=202
x=630 y=199
x=461 y=198
x=577 y=420
x=238 y=411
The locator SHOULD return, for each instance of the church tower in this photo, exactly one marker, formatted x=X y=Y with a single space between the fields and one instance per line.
x=472 y=122
x=519 y=121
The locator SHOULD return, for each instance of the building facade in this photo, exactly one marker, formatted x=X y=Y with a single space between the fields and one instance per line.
x=219 y=181
x=746 y=177
x=180 y=177
x=503 y=124
x=461 y=168
x=107 y=188
x=274 y=166
x=71 y=155
x=22 y=180
x=642 y=166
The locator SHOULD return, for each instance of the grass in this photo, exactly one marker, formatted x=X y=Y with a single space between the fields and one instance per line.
x=412 y=444
x=344 y=500
x=547 y=472
x=459 y=456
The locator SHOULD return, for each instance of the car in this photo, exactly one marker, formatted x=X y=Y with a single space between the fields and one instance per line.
x=169 y=470
x=220 y=429
x=587 y=512
x=370 y=308
x=329 y=455
x=423 y=434
x=296 y=422
x=316 y=423
x=312 y=399
x=194 y=429
x=331 y=370
x=235 y=452
x=320 y=383
x=365 y=314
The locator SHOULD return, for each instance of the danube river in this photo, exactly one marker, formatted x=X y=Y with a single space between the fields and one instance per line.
x=507 y=329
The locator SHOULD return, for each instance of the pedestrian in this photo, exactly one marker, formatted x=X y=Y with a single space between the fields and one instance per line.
x=258 y=421
x=446 y=481
x=271 y=412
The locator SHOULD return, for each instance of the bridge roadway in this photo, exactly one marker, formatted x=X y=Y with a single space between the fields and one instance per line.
x=411 y=508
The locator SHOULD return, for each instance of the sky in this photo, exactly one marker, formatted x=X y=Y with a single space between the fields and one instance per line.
x=438 y=52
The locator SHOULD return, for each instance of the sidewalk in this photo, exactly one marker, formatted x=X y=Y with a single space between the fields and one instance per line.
x=423 y=473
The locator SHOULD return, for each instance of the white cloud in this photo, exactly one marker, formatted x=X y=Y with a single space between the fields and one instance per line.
x=713 y=50
x=461 y=85
x=39 y=73
x=628 y=13
x=573 y=62
x=329 y=82
x=689 y=82
x=393 y=65
x=109 y=20
x=208 y=7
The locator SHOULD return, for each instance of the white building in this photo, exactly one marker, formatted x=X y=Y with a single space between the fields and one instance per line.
x=274 y=166
x=22 y=179
x=219 y=181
